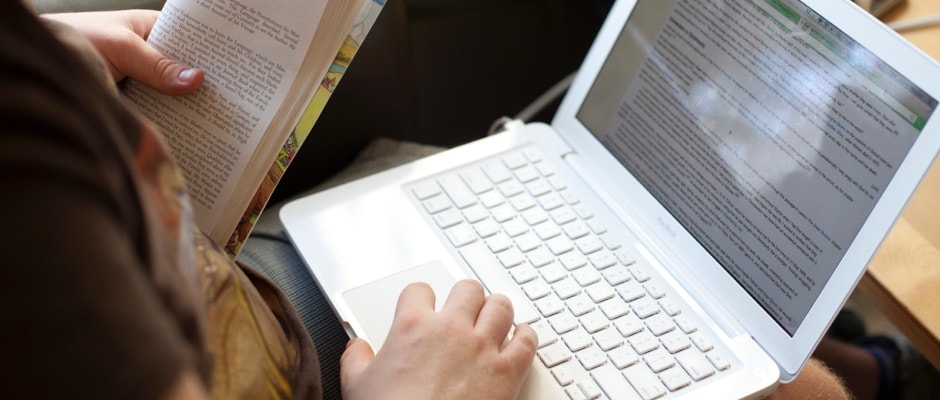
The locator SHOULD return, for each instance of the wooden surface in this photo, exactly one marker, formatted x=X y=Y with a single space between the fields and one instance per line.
x=903 y=279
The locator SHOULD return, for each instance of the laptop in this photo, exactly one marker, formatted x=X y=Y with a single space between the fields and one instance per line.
x=706 y=198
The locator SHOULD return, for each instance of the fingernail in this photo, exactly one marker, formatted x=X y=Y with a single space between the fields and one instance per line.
x=187 y=74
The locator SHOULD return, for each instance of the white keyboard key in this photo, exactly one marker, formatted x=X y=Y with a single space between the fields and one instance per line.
x=563 y=216
x=695 y=365
x=594 y=322
x=590 y=389
x=685 y=324
x=599 y=292
x=613 y=383
x=545 y=169
x=565 y=373
x=486 y=228
x=436 y=204
x=534 y=216
x=572 y=261
x=577 y=340
x=702 y=342
x=496 y=172
x=644 y=308
x=675 y=342
x=643 y=343
x=570 y=198
x=510 y=258
x=586 y=276
x=669 y=307
x=719 y=360
x=536 y=289
x=591 y=357
x=448 y=218
x=498 y=243
x=614 y=308
x=545 y=332
x=563 y=323
x=503 y=213
x=629 y=325
x=559 y=245
x=458 y=192
x=622 y=357
x=580 y=305
x=659 y=360
x=532 y=155
x=611 y=242
x=550 y=201
x=608 y=339
x=538 y=188
x=522 y=202
x=528 y=242
x=575 y=230
x=514 y=160
x=639 y=273
x=476 y=180
x=675 y=379
x=645 y=382
x=546 y=230
x=574 y=393
x=566 y=288
x=475 y=213
x=557 y=182
x=625 y=257
x=552 y=273
x=616 y=275
x=549 y=306
x=425 y=190
x=460 y=235
x=630 y=292
x=510 y=188
x=515 y=227
x=660 y=324
x=589 y=244
x=602 y=260
x=491 y=199
x=655 y=291
x=554 y=354
x=539 y=256
x=596 y=226
x=523 y=273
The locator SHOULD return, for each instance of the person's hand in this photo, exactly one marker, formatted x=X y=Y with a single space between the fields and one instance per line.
x=119 y=37
x=460 y=352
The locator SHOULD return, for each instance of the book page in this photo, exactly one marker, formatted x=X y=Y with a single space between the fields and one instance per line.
x=251 y=52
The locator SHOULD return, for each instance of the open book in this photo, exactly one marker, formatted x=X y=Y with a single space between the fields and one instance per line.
x=270 y=67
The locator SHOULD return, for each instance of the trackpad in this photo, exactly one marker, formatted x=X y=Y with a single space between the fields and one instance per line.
x=373 y=304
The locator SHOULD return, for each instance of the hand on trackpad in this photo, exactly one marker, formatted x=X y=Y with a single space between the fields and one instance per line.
x=373 y=304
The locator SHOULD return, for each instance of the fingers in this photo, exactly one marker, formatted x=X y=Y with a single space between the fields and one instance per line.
x=417 y=297
x=147 y=65
x=465 y=299
x=495 y=318
x=355 y=359
x=520 y=350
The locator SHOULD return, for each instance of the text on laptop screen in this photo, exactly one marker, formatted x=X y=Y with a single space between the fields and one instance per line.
x=763 y=129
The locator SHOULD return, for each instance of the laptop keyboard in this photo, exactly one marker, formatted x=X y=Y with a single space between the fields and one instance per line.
x=606 y=325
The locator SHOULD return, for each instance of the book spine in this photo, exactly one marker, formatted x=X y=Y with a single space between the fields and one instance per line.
x=357 y=33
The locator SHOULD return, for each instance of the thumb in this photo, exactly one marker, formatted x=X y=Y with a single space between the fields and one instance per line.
x=355 y=359
x=150 y=67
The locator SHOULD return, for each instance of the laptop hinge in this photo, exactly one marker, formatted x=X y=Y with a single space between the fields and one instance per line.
x=703 y=299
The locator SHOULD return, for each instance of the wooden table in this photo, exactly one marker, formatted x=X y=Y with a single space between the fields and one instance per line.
x=903 y=279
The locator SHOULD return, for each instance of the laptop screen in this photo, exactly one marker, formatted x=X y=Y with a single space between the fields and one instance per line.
x=762 y=128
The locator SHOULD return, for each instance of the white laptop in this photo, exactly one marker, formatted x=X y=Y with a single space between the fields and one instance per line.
x=710 y=191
